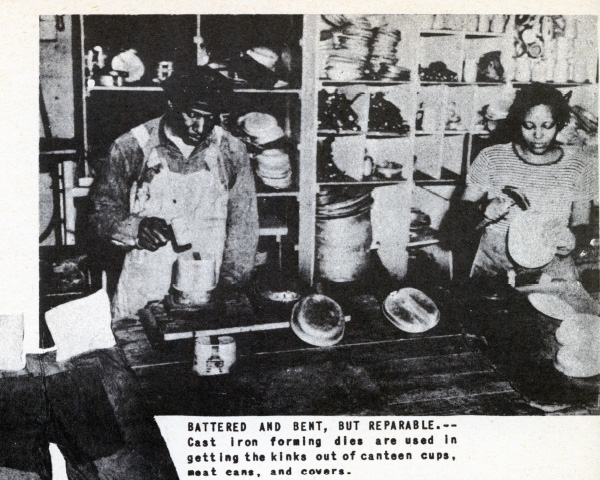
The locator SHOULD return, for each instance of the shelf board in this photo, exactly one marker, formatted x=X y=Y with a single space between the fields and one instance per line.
x=387 y=135
x=59 y=152
x=463 y=84
x=424 y=133
x=339 y=133
x=278 y=231
x=276 y=194
x=124 y=88
x=490 y=84
x=454 y=132
x=423 y=243
x=450 y=84
x=369 y=83
x=436 y=182
x=359 y=183
x=63 y=294
x=265 y=90
x=440 y=33
x=557 y=85
x=475 y=35
x=83 y=191
x=465 y=33
x=150 y=88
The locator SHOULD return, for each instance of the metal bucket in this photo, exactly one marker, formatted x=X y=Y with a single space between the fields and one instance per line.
x=343 y=245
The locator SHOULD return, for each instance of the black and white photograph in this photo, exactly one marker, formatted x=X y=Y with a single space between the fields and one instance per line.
x=304 y=216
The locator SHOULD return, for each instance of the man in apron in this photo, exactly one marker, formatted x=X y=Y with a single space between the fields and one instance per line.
x=184 y=172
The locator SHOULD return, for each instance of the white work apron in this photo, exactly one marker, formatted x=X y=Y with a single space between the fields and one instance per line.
x=200 y=198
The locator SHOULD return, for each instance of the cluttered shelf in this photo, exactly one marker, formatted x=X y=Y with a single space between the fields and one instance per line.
x=340 y=133
x=141 y=88
x=366 y=82
x=362 y=182
x=377 y=122
x=290 y=193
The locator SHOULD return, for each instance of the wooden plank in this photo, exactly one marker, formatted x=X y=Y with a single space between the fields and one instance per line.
x=366 y=353
x=438 y=387
x=466 y=362
x=258 y=392
x=504 y=403
x=385 y=355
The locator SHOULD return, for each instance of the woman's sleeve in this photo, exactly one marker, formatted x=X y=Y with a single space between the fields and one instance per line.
x=479 y=173
x=478 y=179
x=586 y=187
x=585 y=191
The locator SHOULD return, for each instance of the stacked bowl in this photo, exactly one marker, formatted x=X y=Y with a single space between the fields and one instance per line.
x=273 y=165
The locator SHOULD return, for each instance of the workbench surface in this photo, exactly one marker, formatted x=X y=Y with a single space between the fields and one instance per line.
x=485 y=357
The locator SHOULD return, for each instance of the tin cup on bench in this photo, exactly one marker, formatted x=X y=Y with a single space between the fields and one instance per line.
x=214 y=358
x=194 y=279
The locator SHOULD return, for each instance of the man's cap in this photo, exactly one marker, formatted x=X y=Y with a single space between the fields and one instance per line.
x=201 y=87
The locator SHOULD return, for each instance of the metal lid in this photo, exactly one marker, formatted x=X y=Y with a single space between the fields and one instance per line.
x=318 y=320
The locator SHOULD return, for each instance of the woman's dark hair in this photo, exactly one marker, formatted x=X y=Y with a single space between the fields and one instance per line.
x=538 y=94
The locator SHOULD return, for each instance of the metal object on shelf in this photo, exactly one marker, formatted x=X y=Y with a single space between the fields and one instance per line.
x=307 y=171
x=202 y=55
x=497 y=24
x=163 y=71
x=343 y=239
x=129 y=62
x=385 y=116
x=95 y=60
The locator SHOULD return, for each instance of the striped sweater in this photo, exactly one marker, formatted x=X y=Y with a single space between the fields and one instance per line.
x=550 y=188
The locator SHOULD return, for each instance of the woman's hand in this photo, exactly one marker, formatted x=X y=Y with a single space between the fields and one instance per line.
x=565 y=241
x=498 y=208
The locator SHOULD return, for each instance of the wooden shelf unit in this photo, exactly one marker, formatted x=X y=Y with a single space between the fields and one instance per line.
x=428 y=156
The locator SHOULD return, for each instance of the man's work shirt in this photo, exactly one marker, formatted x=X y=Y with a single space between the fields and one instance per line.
x=111 y=215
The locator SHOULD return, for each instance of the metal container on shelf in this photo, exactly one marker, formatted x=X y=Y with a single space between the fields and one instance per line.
x=497 y=23
x=470 y=70
x=472 y=23
x=523 y=69
x=343 y=239
x=484 y=23
x=538 y=72
x=561 y=70
x=549 y=69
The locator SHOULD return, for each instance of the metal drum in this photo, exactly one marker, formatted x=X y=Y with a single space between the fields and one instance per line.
x=343 y=239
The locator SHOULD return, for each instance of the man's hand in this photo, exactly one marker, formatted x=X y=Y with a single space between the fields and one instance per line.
x=153 y=233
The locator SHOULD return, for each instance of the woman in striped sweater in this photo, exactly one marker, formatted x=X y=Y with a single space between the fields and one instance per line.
x=556 y=181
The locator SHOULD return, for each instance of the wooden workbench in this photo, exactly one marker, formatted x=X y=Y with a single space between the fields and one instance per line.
x=375 y=370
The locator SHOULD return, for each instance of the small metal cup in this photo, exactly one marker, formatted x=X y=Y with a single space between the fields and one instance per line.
x=214 y=359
